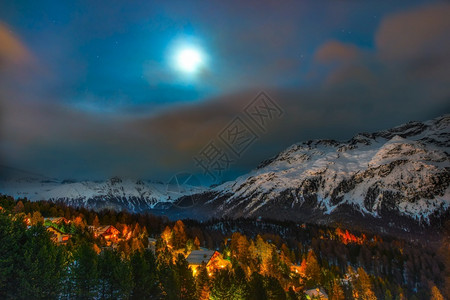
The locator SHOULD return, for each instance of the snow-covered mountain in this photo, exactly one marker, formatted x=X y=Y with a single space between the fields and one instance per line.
x=404 y=171
x=400 y=173
x=115 y=193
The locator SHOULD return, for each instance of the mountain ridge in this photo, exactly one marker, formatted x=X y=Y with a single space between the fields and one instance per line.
x=398 y=173
x=404 y=169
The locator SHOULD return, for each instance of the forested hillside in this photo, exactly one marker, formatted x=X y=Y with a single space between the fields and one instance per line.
x=258 y=259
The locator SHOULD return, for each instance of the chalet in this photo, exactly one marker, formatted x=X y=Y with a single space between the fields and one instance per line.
x=57 y=220
x=57 y=235
x=317 y=293
x=108 y=232
x=211 y=258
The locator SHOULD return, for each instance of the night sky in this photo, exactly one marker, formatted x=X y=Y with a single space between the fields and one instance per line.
x=93 y=89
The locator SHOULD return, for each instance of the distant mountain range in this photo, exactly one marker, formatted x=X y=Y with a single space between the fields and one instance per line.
x=115 y=193
x=396 y=174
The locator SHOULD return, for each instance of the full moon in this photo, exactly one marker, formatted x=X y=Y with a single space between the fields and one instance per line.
x=189 y=60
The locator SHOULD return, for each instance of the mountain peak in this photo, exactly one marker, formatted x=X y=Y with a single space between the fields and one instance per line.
x=404 y=170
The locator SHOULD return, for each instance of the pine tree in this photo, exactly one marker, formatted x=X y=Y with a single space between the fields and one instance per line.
x=222 y=286
x=166 y=276
x=12 y=237
x=143 y=267
x=42 y=265
x=114 y=275
x=257 y=288
x=291 y=294
x=241 y=288
x=274 y=289
x=184 y=278
x=84 y=272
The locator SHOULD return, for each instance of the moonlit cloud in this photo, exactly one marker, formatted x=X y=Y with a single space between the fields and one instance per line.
x=335 y=51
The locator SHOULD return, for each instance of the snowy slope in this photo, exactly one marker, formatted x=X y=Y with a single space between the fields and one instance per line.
x=133 y=195
x=405 y=170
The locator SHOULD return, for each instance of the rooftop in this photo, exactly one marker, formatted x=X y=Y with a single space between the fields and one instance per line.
x=196 y=257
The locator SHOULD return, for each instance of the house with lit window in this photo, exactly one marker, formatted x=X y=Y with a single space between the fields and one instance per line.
x=57 y=235
x=108 y=232
x=211 y=258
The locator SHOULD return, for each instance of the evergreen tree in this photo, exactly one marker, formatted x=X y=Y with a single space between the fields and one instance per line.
x=273 y=289
x=291 y=294
x=84 y=272
x=42 y=268
x=184 y=278
x=12 y=237
x=222 y=286
x=202 y=282
x=241 y=288
x=257 y=288
x=166 y=276
x=143 y=267
x=114 y=276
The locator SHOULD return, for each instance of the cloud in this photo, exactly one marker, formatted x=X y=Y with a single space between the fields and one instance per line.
x=415 y=33
x=357 y=90
x=12 y=50
x=335 y=51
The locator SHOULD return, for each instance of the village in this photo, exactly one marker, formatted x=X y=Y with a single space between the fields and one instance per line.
x=190 y=260
x=197 y=257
